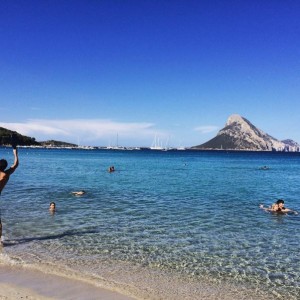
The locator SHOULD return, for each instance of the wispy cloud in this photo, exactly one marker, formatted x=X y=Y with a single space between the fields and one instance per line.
x=206 y=129
x=83 y=129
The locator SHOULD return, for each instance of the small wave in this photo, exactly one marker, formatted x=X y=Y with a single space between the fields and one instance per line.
x=7 y=260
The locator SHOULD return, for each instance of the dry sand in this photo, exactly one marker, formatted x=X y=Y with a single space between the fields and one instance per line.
x=21 y=283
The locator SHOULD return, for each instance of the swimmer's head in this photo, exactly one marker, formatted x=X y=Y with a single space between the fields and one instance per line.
x=3 y=164
x=52 y=206
x=280 y=203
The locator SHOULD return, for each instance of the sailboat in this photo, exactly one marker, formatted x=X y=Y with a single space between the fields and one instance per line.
x=117 y=147
x=156 y=145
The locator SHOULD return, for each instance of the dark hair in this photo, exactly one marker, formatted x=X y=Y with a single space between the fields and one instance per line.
x=3 y=164
x=52 y=203
x=280 y=201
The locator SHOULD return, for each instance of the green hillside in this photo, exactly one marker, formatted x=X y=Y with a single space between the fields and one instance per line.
x=22 y=140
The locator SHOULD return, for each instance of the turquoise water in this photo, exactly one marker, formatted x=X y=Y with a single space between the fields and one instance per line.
x=191 y=215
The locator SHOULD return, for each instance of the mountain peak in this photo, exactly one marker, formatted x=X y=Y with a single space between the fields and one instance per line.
x=241 y=134
x=235 y=118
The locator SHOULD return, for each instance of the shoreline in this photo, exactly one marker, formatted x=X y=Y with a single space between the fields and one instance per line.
x=17 y=282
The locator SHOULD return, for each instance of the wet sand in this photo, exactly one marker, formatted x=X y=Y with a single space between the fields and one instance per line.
x=21 y=283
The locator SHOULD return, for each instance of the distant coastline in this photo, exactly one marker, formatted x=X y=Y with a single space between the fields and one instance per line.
x=148 y=149
x=230 y=138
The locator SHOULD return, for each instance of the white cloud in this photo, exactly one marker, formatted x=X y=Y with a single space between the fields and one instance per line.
x=206 y=129
x=84 y=130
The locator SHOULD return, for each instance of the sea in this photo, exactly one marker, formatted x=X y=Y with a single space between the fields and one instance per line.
x=164 y=225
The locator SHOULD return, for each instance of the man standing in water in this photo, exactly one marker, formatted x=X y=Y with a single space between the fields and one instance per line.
x=5 y=174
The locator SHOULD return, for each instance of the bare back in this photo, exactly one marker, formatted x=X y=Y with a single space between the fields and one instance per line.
x=4 y=175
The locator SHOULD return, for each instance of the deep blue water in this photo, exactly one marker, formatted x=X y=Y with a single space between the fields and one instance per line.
x=192 y=213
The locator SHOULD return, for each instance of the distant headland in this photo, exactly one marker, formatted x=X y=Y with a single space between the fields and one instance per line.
x=241 y=135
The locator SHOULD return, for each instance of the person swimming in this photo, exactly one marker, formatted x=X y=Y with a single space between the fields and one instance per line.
x=111 y=169
x=278 y=207
x=52 y=207
x=79 y=193
x=264 y=168
x=282 y=208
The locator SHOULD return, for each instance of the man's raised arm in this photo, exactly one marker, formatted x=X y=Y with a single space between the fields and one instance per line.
x=16 y=161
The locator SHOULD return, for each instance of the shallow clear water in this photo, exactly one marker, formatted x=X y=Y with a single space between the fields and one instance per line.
x=190 y=214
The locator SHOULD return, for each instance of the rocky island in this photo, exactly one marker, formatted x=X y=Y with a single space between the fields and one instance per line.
x=241 y=134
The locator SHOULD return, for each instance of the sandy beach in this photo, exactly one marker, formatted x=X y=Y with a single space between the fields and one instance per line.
x=21 y=283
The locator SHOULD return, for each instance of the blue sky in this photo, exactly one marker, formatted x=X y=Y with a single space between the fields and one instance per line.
x=89 y=71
